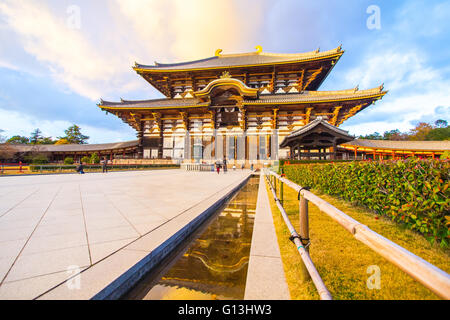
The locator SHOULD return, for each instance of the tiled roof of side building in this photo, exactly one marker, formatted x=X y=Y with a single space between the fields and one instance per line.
x=74 y=147
x=243 y=59
x=401 y=145
x=315 y=123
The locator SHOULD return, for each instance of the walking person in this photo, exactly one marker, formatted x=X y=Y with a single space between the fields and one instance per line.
x=105 y=165
x=224 y=165
x=218 y=166
x=80 y=168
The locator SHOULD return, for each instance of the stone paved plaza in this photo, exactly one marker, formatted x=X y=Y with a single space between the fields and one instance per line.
x=52 y=223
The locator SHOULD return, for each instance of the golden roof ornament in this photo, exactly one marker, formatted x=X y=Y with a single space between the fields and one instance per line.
x=218 y=52
x=225 y=75
x=258 y=49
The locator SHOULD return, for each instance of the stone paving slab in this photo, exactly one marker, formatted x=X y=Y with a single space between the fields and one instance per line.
x=52 y=224
x=265 y=276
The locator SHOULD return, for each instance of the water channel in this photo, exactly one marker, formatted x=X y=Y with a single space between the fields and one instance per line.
x=213 y=265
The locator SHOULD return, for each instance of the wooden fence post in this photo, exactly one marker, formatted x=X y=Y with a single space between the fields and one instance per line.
x=304 y=231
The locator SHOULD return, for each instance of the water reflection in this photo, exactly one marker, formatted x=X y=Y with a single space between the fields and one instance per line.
x=215 y=265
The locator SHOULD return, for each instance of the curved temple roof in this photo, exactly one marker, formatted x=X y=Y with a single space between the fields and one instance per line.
x=289 y=98
x=227 y=82
x=239 y=60
x=319 y=121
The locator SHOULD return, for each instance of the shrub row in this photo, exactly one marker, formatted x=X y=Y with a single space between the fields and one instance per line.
x=413 y=192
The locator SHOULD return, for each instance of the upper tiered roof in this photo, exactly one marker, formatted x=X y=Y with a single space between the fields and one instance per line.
x=304 y=71
x=241 y=60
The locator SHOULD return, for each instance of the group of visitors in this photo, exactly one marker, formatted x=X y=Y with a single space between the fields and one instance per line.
x=80 y=166
x=223 y=165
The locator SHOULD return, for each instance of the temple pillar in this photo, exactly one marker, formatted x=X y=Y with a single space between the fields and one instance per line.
x=241 y=146
x=213 y=145
x=187 y=146
x=160 y=144
x=274 y=145
x=140 y=151
x=246 y=146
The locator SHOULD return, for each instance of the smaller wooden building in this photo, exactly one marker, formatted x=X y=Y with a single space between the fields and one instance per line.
x=318 y=139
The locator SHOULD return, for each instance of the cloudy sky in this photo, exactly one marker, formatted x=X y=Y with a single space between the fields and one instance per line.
x=58 y=57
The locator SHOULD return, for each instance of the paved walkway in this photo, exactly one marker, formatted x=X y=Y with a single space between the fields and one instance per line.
x=52 y=225
x=265 y=277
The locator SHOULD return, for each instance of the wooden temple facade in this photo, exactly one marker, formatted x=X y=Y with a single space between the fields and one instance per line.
x=236 y=106
x=319 y=136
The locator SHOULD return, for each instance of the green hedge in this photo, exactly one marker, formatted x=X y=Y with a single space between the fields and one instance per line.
x=413 y=192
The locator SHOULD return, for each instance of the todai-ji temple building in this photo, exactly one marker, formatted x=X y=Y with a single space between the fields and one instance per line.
x=248 y=108
x=240 y=107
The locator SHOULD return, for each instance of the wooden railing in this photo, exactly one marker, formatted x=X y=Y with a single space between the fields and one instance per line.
x=301 y=241
x=429 y=275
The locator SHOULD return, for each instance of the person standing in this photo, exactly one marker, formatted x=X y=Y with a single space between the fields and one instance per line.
x=218 y=166
x=224 y=165
x=105 y=165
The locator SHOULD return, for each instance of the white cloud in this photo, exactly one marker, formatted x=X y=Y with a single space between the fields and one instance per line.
x=185 y=30
x=416 y=91
x=416 y=88
x=86 y=68
x=95 y=60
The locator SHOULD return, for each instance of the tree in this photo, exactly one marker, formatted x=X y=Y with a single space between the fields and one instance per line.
x=439 y=134
x=394 y=135
x=86 y=159
x=46 y=140
x=36 y=135
x=68 y=160
x=18 y=140
x=420 y=132
x=61 y=141
x=95 y=158
x=372 y=136
x=74 y=135
x=440 y=123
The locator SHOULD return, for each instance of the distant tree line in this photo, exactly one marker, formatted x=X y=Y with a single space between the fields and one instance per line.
x=73 y=135
x=423 y=131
